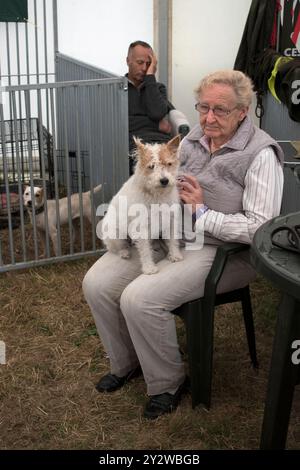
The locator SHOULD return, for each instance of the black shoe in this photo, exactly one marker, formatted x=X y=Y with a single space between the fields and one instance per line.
x=111 y=382
x=165 y=402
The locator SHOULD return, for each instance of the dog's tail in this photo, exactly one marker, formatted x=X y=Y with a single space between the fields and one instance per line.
x=96 y=189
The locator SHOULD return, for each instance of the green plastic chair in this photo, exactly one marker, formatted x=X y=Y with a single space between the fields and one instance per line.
x=198 y=316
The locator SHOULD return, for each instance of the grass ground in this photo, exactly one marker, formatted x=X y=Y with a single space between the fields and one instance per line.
x=54 y=358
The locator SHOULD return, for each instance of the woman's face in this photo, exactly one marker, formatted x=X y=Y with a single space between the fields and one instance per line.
x=220 y=125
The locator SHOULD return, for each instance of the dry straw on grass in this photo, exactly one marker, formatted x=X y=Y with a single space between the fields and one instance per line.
x=54 y=358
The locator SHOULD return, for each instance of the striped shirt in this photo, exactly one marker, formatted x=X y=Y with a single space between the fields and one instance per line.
x=261 y=202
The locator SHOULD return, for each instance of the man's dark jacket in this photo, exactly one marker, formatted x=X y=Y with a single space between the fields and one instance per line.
x=147 y=105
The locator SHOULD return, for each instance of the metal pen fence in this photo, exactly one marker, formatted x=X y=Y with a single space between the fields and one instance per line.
x=78 y=149
x=63 y=128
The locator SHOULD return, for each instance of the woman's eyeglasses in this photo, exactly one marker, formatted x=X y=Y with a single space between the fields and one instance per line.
x=289 y=239
x=218 y=111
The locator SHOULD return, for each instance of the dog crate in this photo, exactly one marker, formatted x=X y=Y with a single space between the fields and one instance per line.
x=14 y=204
x=23 y=146
x=22 y=152
x=77 y=179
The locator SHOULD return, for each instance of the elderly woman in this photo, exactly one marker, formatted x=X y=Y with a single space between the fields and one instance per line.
x=233 y=181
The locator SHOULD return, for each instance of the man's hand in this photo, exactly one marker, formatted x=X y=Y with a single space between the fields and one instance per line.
x=190 y=191
x=153 y=65
x=165 y=126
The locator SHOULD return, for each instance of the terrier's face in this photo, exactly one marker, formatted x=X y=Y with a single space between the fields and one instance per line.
x=157 y=164
x=38 y=197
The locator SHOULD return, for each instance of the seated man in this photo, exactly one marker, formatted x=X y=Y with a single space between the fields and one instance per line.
x=147 y=99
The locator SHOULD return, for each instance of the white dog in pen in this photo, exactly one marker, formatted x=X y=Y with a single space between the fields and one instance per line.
x=39 y=206
x=151 y=189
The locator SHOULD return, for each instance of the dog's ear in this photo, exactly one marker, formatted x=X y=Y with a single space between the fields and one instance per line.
x=139 y=144
x=141 y=149
x=173 y=144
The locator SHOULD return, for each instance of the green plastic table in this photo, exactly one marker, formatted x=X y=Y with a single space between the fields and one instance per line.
x=282 y=268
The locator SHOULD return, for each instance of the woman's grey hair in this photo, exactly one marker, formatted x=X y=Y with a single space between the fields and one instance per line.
x=240 y=83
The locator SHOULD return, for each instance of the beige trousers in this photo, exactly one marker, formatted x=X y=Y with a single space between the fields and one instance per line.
x=132 y=311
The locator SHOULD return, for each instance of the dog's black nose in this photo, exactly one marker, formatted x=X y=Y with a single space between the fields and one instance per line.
x=29 y=203
x=164 y=181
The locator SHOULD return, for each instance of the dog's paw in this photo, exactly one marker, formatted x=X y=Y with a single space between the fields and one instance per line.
x=124 y=254
x=151 y=269
x=174 y=257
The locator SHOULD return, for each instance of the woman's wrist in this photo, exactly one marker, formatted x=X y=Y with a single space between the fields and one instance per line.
x=200 y=210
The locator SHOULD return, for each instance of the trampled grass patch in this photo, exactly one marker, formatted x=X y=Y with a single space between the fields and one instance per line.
x=54 y=359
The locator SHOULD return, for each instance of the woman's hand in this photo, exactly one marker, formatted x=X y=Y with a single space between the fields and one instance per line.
x=190 y=191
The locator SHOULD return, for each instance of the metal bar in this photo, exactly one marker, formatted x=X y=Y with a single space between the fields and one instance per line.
x=1 y=258
x=55 y=34
x=42 y=163
x=1 y=76
x=91 y=92
x=97 y=81
x=27 y=74
x=66 y=149
x=8 y=206
x=105 y=112
x=8 y=66
x=8 y=54
x=11 y=246
x=36 y=43
x=28 y=124
x=27 y=54
x=124 y=144
x=21 y=132
x=45 y=41
x=118 y=125
x=2 y=144
x=19 y=78
x=20 y=189
x=44 y=262
x=78 y=161
x=55 y=173
x=1 y=124
x=113 y=114
x=18 y=54
x=46 y=62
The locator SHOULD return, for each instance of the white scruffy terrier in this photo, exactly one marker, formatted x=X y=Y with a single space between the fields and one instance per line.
x=151 y=190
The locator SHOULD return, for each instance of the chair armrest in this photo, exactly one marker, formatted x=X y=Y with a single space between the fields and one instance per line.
x=179 y=122
x=183 y=130
x=222 y=254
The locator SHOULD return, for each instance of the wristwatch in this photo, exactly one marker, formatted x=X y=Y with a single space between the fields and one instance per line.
x=200 y=211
